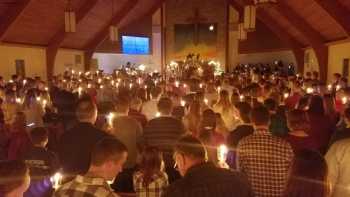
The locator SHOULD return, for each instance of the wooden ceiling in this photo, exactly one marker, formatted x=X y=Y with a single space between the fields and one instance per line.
x=36 y=22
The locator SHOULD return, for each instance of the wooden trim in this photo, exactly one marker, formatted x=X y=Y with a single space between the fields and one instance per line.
x=11 y=16
x=103 y=33
x=338 y=12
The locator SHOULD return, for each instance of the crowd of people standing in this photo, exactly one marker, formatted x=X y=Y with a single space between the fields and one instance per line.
x=251 y=132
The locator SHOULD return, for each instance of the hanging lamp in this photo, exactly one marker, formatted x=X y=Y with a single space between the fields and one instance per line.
x=70 y=23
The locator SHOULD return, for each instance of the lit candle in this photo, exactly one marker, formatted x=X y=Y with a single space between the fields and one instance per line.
x=44 y=103
x=79 y=90
x=24 y=82
x=73 y=72
x=130 y=85
x=112 y=82
x=206 y=101
x=241 y=98
x=99 y=80
x=18 y=100
x=177 y=83
x=309 y=90
x=145 y=86
x=344 y=100
x=38 y=98
x=56 y=180
x=139 y=81
x=183 y=103
x=89 y=85
x=222 y=153
x=337 y=88
x=185 y=85
x=157 y=114
x=110 y=118
x=46 y=89
x=286 y=95
x=101 y=86
x=219 y=89
x=79 y=73
x=329 y=87
x=200 y=85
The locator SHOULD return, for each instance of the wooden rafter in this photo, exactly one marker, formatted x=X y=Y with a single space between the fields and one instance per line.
x=103 y=33
x=314 y=38
x=289 y=40
x=58 y=38
x=338 y=12
x=11 y=16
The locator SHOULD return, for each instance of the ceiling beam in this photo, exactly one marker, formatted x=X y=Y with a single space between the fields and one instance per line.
x=315 y=39
x=58 y=38
x=289 y=40
x=10 y=17
x=338 y=12
x=103 y=33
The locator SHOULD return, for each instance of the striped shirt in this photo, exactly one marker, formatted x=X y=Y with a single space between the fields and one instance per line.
x=266 y=160
x=85 y=186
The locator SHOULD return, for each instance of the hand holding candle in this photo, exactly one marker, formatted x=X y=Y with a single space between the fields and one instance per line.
x=56 y=180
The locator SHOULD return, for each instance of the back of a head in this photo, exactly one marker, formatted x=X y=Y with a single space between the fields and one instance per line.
x=296 y=120
x=13 y=175
x=165 y=106
x=270 y=104
x=86 y=110
x=107 y=149
x=244 y=111
x=208 y=120
x=191 y=147
x=316 y=105
x=135 y=103
x=260 y=116
x=150 y=163
x=39 y=135
x=155 y=92
x=122 y=104
x=308 y=175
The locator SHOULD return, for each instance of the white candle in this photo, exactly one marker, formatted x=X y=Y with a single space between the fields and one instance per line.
x=344 y=100
x=206 y=101
x=222 y=153
x=241 y=98
x=183 y=103
x=110 y=118
x=157 y=114
x=309 y=90
x=177 y=83
x=329 y=87
x=56 y=180
x=286 y=95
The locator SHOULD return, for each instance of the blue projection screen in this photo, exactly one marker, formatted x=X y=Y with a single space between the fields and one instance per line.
x=135 y=45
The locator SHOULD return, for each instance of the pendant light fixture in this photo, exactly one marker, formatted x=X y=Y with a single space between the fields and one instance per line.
x=70 y=22
x=249 y=18
x=113 y=30
x=242 y=34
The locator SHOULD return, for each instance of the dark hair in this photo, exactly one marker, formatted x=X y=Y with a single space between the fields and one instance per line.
x=12 y=175
x=165 y=105
x=150 y=163
x=244 y=111
x=191 y=146
x=316 y=105
x=208 y=120
x=85 y=109
x=122 y=104
x=270 y=104
x=155 y=92
x=308 y=176
x=297 y=120
x=260 y=116
x=38 y=135
x=107 y=149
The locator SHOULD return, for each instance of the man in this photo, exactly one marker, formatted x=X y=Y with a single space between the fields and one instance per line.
x=76 y=144
x=201 y=178
x=264 y=158
x=135 y=111
x=150 y=107
x=107 y=159
x=163 y=132
x=342 y=133
x=338 y=159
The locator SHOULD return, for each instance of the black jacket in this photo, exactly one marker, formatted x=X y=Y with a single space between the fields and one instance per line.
x=206 y=180
x=75 y=147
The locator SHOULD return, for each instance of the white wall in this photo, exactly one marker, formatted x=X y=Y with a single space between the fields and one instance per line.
x=268 y=57
x=35 y=60
x=109 y=61
x=337 y=54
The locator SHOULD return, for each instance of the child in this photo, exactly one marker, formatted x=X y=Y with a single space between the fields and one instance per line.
x=150 y=180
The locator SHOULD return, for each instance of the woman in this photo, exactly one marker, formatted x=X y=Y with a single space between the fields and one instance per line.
x=151 y=179
x=308 y=176
x=298 y=136
x=10 y=107
x=193 y=117
x=15 y=178
x=225 y=108
x=33 y=109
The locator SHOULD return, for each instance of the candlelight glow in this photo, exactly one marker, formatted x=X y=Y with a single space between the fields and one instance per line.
x=183 y=103
x=286 y=95
x=157 y=114
x=56 y=180
x=329 y=87
x=222 y=153
x=206 y=101
x=309 y=90
x=241 y=98
x=344 y=100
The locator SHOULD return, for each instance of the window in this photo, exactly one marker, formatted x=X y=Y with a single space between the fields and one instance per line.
x=135 y=45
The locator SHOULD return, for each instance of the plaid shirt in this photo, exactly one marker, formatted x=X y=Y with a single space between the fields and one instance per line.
x=85 y=186
x=266 y=160
x=154 y=189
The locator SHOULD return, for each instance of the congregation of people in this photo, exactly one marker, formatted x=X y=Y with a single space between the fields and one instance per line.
x=253 y=132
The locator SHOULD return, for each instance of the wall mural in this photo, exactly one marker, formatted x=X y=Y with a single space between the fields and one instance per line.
x=199 y=38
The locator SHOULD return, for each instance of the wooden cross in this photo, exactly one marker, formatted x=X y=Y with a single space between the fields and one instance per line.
x=196 y=20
